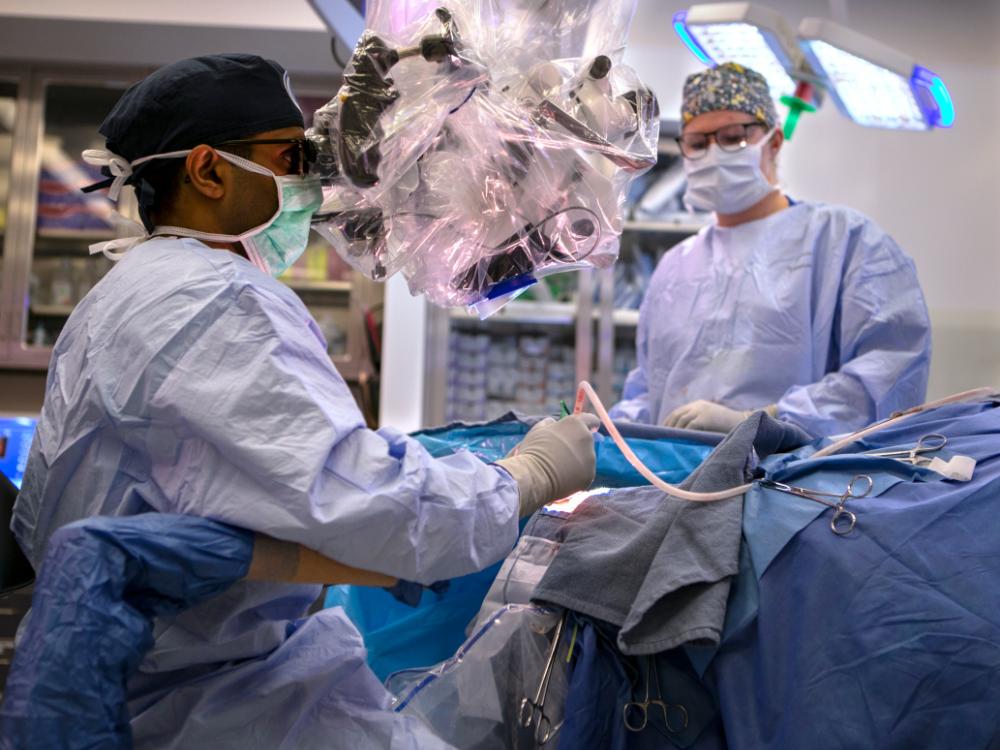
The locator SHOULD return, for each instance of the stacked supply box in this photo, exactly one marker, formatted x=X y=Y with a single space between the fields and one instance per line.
x=624 y=363
x=468 y=358
x=493 y=373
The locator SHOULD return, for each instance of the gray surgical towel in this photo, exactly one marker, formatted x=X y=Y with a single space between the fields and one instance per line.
x=657 y=567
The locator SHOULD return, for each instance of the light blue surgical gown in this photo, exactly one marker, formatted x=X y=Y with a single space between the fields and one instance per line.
x=188 y=381
x=813 y=308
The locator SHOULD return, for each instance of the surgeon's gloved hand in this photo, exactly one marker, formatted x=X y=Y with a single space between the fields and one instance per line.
x=705 y=415
x=554 y=460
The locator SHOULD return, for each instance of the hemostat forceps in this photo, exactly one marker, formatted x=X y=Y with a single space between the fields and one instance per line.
x=635 y=714
x=533 y=711
x=930 y=443
x=843 y=521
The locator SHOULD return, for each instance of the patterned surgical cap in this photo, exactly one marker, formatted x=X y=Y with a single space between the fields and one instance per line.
x=728 y=86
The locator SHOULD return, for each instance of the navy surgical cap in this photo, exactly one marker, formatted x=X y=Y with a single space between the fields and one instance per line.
x=200 y=100
x=207 y=99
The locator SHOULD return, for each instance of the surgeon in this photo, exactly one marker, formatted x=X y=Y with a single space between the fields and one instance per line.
x=191 y=381
x=805 y=310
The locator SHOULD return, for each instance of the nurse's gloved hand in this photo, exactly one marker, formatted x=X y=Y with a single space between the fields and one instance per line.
x=554 y=460
x=705 y=415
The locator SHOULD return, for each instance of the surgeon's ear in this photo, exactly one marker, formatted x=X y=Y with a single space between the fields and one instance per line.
x=769 y=158
x=777 y=141
x=203 y=171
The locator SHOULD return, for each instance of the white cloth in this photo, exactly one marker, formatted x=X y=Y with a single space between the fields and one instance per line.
x=813 y=308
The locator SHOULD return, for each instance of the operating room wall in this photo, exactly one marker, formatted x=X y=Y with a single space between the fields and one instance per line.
x=937 y=193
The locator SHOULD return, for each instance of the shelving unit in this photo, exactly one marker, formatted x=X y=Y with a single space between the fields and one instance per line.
x=625 y=318
x=343 y=287
x=47 y=268
x=684 y=228
x=547 y=313
x=52 y=311
x=527 y=357
x=528 y=313
x=75 y=235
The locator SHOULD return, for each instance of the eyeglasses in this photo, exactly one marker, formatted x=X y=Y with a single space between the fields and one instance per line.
x=302 y=157
x=729 y=138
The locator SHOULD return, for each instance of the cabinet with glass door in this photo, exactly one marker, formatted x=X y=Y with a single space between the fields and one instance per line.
x=50 y=223
x=11 y=110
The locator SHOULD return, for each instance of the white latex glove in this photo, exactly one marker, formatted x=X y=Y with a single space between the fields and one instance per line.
x=554 y=460
x=705 y=415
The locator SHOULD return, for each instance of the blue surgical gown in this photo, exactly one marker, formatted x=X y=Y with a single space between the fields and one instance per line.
x=187 y=381
x=813 y=308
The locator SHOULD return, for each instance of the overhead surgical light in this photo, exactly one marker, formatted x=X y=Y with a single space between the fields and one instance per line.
x=874 y=84
x=343 y=17
x=680 y=26
x=746 y=34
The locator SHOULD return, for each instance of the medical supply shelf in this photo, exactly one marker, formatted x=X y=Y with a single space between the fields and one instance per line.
x=546 y=313
x=625 y=318
x=320 y=286
x=47 y=116
x=52 y=311
x=681 y=228
x=526 y=357
x=540 y=313
x=91 y=235
x=530 y=355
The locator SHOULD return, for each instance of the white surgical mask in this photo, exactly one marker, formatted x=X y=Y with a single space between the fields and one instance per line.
x=727 y=182
x=272 y=246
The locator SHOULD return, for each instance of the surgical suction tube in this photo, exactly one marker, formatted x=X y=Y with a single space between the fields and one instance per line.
x=585 y=392
x=976 y=394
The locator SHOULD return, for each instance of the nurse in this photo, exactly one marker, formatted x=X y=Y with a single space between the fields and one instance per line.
x=190 y=380
x=806 y=310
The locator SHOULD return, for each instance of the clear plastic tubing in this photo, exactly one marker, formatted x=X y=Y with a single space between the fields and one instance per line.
x=585 y=392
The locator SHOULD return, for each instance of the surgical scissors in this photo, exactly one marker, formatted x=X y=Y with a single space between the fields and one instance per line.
x=930 y=443
x=533 y=711
x=854 y=491
x=641 y=708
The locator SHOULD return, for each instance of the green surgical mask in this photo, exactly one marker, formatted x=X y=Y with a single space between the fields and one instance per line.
x=279 y=244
